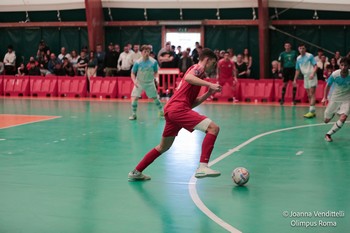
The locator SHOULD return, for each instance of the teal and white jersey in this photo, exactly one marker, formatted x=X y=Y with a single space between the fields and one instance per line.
x=145 y=70
x=306 y=64
x=341 y=87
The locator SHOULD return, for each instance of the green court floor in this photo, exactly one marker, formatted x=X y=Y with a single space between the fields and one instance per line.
x=69 y=174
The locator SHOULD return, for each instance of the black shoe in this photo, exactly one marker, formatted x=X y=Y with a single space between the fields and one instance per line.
x=281 y=102
x=294 y=102
x=328 y=138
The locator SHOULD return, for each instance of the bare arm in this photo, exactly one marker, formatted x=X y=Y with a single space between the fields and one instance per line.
x=314 y=72
x=326 y=91
x=297 y=72
x=213 y=87
x=202 y=98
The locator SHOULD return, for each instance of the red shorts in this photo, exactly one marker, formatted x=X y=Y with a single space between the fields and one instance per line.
x=229 y=81
x=174 y=121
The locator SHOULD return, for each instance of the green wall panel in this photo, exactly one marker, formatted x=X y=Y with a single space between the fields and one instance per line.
x=134 y=35
x=237 y=38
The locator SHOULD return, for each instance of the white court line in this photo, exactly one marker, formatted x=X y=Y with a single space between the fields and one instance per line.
x=193 y=181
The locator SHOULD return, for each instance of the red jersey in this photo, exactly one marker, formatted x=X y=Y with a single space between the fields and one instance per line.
x=226 y=69
x=186 y=93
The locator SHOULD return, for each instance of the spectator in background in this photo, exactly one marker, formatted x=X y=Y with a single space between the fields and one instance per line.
x=176 y=57
x=221 y=54
x=42 y=48
x=58 y=70
x=185 y=62
x=125 y=62
x=137 y=54
x=22 y=70
x=179 y=51
x=333 y=64
x=117 y=49
x=217 y=53
x=241 y=67
x=164 y=56
x=275 y=73
x=33 y=70
x=29 y=63
x=2 y=67
x=248 y=60
x=43 y=65
x=100 y=56
x=320 y=53
x=68 y=67
x=75 y=58
x=195 y=56
x=82 y=63
x=64 y=54
x=194 y=53
x=52 y=63
x=232 y=55
x=10 y=61
x=111 y=60
x=322 y=64
x=337 y=57
x=91 y=68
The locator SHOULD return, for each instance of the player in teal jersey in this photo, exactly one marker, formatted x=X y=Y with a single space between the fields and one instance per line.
x=306 y=65
x=143 y=74
x=339 y=99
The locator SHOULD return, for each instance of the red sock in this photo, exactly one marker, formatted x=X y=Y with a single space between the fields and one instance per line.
x=207 y=147
x=147 y=160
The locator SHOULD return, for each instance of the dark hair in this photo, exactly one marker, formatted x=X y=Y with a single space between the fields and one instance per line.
x=207 y=53
x=301 y=45
x=345 y=60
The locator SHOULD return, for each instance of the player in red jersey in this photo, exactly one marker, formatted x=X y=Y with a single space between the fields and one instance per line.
x=178 y=114
x=226 y=73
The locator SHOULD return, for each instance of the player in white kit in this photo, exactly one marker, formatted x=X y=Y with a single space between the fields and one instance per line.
x=143 y=74
x=339 y=99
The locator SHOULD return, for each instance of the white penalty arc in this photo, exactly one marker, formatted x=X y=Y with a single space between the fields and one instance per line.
x=193 y=181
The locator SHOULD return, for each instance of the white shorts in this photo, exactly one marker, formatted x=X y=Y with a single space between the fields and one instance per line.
x=150 y=89
x=337 y=107
x=308 y=83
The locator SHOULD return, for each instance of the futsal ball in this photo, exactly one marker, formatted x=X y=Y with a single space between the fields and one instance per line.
x=240 y=176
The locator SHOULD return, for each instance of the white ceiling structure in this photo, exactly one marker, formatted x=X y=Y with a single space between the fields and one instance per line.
x=47 y=5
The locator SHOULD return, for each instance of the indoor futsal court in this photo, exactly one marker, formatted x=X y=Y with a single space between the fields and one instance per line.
x=64 y=166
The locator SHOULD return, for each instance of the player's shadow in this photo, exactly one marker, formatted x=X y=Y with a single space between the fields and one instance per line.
x=150 y=200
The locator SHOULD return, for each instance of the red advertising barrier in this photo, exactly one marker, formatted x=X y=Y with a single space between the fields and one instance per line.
x=103 y=87
x=167 y=80
x=72 y=86
x=124 y=86
x=247 y=89
x=16 y=85
x=301 y=95
x=1 y=85
x=43 y=86
x=320 y=90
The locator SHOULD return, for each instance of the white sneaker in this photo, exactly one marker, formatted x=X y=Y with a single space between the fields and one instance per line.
x=206 y=172
x=133 y=117
x=137 y=176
